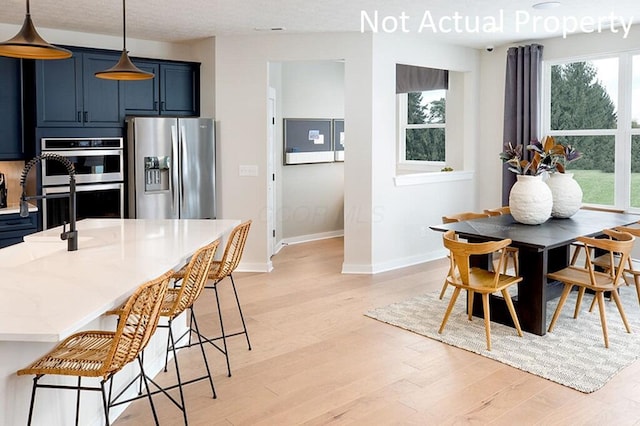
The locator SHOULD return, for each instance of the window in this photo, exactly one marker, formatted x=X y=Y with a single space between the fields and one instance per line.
x=593 y=104
x=421 y=118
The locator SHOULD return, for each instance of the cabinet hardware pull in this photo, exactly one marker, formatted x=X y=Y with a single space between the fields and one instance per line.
x=79 y=116
x=86 y=116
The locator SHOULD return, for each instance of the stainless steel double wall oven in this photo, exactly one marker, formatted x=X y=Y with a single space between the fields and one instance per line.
x=99 y=164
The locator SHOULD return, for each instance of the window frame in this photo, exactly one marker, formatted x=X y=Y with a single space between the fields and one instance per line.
x=402 y=126
x=622 y=133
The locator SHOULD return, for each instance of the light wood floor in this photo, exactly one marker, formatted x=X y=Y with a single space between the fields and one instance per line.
x=318 y=360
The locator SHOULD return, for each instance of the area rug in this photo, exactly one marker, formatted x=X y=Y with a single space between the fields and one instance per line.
x=572 y=355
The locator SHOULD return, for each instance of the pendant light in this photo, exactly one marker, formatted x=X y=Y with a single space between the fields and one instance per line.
x=124 y=69
x=29 y=45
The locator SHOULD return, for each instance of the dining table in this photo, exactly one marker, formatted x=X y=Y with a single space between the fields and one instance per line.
x=542 y=249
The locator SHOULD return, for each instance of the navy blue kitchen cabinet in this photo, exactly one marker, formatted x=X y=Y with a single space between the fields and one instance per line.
x=11 y=109
x=13 y=227
x=70 y=95
x=173 y=92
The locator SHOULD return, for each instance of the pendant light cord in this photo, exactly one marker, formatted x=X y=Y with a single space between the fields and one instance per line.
x=28 y=8
x=124 y=26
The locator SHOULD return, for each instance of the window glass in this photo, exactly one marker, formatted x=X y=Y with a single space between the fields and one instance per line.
x=635 y=171
x=584 y=95
x=594 y=171
x=635 y=94
x=424 y=129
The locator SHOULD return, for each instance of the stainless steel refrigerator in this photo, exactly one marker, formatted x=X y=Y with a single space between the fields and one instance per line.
x=171 y=168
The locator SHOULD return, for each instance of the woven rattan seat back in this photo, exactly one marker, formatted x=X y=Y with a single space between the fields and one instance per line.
x=137 y=322
x=232 y=252
x=102 y=353
x=195 y=277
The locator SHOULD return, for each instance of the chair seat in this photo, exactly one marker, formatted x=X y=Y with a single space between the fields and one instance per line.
x=580 y=276
x=604 y=261
x=482 y=281
x=82 y=354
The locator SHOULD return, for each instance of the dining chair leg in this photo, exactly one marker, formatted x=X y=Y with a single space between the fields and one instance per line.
x=454 y=296
x=444 y=289
x=576 y=311
x=183 y=407
x=563 y=299
x=470 y=294
x=105 y=404
x=603 y=317
x=487 y=318
x=616 y=298
x=512 y=310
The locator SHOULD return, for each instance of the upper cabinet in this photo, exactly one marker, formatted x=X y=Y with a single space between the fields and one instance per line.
x=10 y=109
x=68 y=93
x=174 y=91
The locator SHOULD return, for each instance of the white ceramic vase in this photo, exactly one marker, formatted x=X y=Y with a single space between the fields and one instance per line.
x=567 y=194
x=530 y=200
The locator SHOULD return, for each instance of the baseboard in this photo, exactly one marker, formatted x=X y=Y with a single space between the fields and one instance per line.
x=312 y=237
x=391 y=265
x=255 y=267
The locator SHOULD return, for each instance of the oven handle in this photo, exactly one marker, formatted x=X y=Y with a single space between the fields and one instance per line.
x=81 y=188
x=86 y=152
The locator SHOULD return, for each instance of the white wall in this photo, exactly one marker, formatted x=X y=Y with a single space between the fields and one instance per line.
x=312 y=194
x=385 y=226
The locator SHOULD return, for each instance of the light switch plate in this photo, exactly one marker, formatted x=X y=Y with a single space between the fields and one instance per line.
x=248 y=170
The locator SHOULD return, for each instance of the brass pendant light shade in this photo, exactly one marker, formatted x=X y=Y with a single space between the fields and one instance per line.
x=29 y=45
x=124 y=69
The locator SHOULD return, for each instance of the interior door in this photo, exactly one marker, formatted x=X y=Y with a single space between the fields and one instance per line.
x=271 y=174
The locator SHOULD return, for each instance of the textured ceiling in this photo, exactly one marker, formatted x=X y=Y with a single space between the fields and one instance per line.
x=171 y=20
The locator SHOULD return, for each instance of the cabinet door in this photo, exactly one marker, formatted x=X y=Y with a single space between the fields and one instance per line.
x=179 y=89
x=102 y=98
x=59 y=92
x=142 y=97
x=10 y=109
x=13 y=227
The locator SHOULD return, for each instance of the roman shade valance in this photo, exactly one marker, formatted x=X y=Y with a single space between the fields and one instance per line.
x=410 y=78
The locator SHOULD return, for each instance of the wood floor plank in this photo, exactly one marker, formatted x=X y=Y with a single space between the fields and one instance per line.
x=318 y=360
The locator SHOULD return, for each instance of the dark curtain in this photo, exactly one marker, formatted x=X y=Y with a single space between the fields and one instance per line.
x=521 y=103
x=420 y=79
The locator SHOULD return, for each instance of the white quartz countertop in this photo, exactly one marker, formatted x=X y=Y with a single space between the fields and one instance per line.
x=47 y=292
x=15 y=208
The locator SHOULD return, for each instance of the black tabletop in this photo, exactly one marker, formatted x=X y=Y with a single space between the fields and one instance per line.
x=552 y=233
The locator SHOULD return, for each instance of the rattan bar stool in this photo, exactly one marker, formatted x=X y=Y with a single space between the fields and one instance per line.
x=219 y=271
x=101 y=354
x=176 y=301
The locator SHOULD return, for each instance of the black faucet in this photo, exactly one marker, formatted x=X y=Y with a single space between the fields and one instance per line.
x=72 y=234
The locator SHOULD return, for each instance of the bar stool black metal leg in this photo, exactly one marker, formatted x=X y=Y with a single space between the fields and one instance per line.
x=175 y=360
x=204 y=356
x=33 y=399
x=78 y=401
x=104 y=402
x=146 y=385
x=224 y=337
x=244 y=327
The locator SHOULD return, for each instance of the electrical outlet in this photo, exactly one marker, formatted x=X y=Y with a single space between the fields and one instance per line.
x=248 y=170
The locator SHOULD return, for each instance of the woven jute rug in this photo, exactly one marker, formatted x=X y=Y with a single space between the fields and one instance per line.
x=572 y=355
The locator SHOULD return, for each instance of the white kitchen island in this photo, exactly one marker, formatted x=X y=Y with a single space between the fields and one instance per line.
x=48 y=293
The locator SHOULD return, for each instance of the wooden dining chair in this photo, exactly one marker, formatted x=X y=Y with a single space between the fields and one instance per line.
x=101 y=354
x=512 y=252
x=632 y=267
x=458 y=218
x=478 y=280
x=617 y=246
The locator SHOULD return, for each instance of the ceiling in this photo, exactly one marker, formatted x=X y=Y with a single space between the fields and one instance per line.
x=176 y=21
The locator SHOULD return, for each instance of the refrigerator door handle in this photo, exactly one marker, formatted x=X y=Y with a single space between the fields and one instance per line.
x=175 y=166
x=183 y=165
